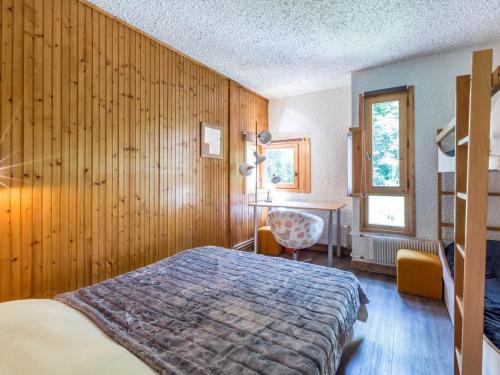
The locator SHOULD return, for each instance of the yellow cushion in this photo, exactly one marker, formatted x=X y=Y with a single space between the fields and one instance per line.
x=419 y=273
x=267 y=244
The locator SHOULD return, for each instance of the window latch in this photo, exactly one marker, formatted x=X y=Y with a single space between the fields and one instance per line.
x=369 y=156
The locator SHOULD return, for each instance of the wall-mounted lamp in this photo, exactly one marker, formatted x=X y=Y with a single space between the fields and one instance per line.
x=264 y=137
x=245 y=169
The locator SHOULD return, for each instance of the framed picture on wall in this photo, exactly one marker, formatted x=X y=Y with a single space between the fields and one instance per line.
x=211 y=140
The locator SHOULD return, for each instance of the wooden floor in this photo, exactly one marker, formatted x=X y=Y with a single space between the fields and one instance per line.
x=404 y=335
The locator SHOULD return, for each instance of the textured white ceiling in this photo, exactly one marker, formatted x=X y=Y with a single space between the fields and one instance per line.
x=288 y=47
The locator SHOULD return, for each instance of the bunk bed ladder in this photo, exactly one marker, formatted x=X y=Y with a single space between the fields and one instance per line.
x=473 y=106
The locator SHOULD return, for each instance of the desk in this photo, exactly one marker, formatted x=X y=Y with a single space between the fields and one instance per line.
x=314 y=206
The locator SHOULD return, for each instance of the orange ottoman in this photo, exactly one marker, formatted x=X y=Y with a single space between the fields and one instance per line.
x=419 y=273
x=267 y=244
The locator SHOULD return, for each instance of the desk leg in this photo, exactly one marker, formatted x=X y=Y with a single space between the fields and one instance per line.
x=255 y=232
x=339 y=235
x=330 y=238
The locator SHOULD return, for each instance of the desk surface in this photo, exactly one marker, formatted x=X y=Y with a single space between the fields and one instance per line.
x=318 y=206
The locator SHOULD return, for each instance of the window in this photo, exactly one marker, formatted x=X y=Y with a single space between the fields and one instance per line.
x=282 y=159
x=388 y=140
x=291 y=161
x=386 y=210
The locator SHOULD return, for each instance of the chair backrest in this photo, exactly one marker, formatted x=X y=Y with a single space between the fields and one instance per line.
x=295 y=229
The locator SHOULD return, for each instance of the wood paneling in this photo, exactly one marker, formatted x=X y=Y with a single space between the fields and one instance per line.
x=246 y=108
x=100 y=163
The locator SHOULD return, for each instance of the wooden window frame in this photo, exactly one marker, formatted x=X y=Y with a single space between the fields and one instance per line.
x=407 y=163
x=354 y=162
x=403 y=151
x=295 y=146
x=302 y=164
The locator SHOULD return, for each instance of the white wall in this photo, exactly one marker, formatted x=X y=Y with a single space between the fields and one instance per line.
x=434 y=81
x=325 y=117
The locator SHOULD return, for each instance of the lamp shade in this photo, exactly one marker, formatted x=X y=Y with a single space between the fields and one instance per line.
x=275 y=179
x=245 y=169
x=259 y=158
x=264 y=137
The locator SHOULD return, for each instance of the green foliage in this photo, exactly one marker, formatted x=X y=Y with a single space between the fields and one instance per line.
x=279 y=161
x=385 y=144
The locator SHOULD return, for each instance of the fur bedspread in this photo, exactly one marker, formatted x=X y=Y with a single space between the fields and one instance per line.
x=211 y=310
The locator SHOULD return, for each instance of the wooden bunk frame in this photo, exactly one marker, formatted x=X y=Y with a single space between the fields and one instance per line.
x=473 y=107
x=444 y=224
x=491 y=354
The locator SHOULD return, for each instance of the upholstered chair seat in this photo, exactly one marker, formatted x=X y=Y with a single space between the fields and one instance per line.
x=294 y=229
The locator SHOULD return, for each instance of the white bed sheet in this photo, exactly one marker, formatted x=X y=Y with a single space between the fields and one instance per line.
x=48 y=337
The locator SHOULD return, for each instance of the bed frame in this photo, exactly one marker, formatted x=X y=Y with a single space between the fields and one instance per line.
x=491 y=355
x=464 y=298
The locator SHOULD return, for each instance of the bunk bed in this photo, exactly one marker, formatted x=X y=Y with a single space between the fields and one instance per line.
x=491 y=345
x=464 y=143
x=491 y=338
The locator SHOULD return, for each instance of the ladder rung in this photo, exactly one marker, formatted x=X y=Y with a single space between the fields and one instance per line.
x=463 y=141
x=458 y=355
x=461 y=250
x=460 y=304
x=448 y=193
x=490 y=193
x=462 y=195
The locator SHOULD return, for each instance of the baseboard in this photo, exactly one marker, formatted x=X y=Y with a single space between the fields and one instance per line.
x=245 y=245
x=373 y=267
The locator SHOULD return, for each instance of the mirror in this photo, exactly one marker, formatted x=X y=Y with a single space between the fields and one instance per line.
x=211 y=140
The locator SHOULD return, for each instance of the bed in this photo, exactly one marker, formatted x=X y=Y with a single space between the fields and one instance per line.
x=446 y=141
x=491 y=342
x=205 y=310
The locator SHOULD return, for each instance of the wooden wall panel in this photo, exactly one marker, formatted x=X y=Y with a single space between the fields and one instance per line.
x=100 y=170
x=246 y=108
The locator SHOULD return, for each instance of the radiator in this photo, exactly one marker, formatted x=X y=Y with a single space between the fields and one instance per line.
x=384 y=250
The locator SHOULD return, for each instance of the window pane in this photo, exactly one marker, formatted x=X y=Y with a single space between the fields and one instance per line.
x=385 y=144
x=386 y=210
x=280 y=161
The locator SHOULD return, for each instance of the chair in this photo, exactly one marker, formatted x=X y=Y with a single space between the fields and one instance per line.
x=294 y=229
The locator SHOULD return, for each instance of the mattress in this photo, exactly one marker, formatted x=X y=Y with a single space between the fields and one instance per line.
x=492 y=288
x=41 y=336
x=213 y=310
